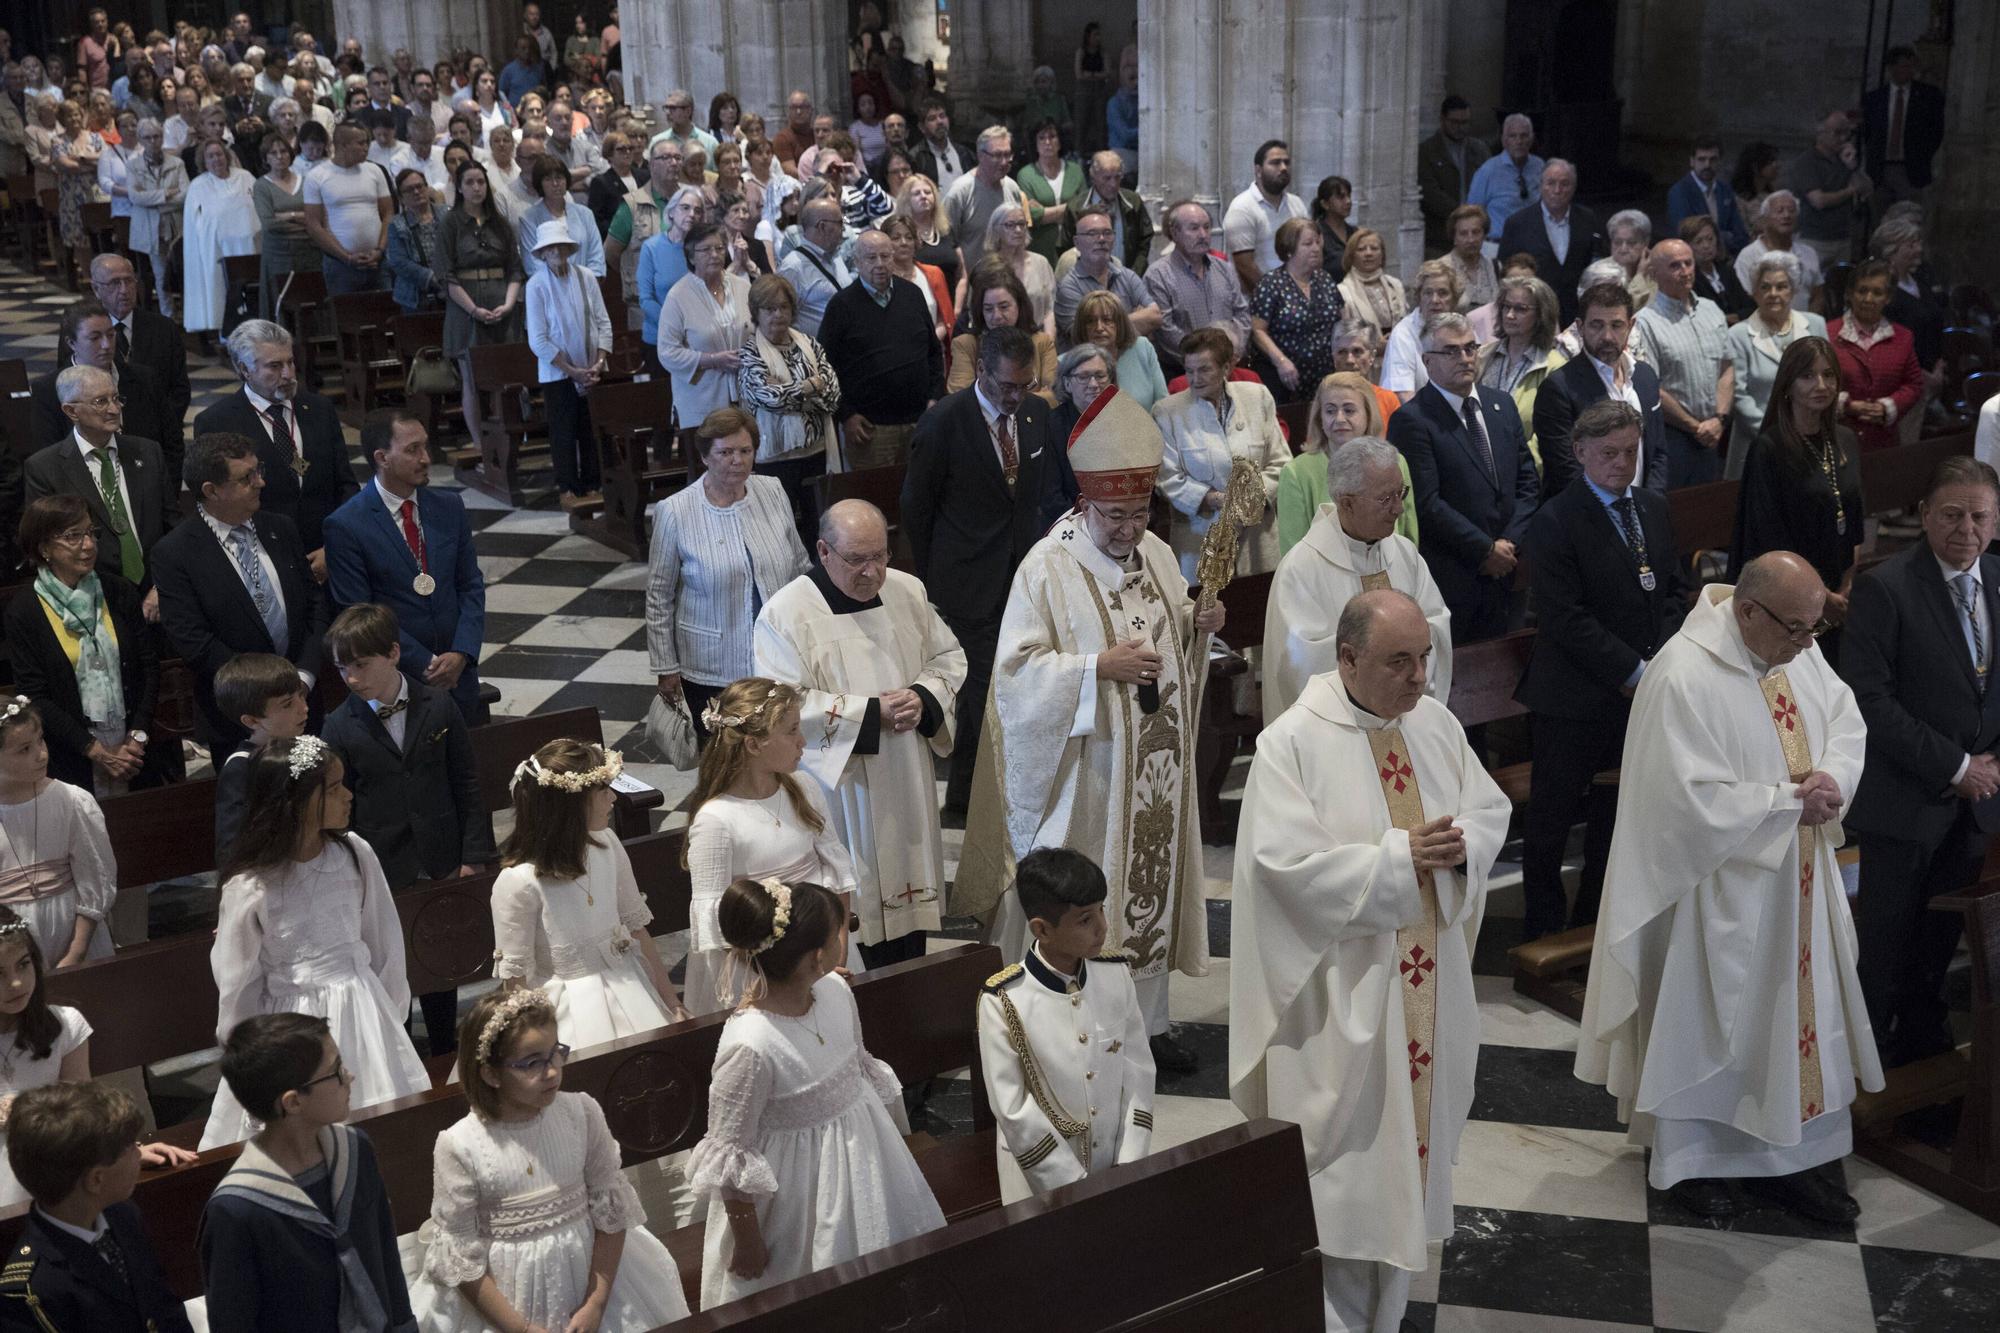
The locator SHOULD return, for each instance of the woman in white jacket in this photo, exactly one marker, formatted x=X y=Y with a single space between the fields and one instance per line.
x=1208 y=426
x=157 y=184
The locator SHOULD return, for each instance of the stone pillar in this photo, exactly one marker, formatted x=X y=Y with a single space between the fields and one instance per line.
x=1966 y=195
x=758 y=49
x=431 y=29
x=1437 y=62
x=1340 y=80
x=992 y=54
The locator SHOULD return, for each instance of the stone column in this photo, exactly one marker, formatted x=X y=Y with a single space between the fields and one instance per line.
x=1340 y=80
x=758 y=49
x=430 y=29
x=992 y=54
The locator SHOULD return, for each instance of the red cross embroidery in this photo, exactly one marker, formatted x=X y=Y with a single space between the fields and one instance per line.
x=1806 y=878
x=1420 y=1059
x=1395 y=769
x=1423 y=1151
x=1805 y=962
x=1786 y=713
x=1812 y=1109
x=1416 y=965
x=1808 y=1042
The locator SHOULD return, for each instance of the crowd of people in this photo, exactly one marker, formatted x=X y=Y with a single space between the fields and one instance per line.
x=1003 y=319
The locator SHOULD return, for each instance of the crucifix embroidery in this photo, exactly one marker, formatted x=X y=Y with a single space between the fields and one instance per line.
x=833 y=718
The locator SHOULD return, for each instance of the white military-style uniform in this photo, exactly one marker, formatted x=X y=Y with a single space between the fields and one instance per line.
x=1068 y=1071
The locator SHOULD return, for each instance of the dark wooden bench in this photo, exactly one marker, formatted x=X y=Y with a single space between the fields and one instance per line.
x=503 y=375
x=919 y=1017
x=1216 y=1234
x=879 y=486
x=410 y=334
x=642 y=461
x=363 y=326
x=1225 y=733
x=1893 y=480
x=1704 y=523
x=300 y=300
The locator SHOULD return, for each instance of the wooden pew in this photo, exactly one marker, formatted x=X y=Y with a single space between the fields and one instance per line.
x=1704 y=522
x=1893 y=480
x=1223 y=732
x=300 y=298
x=919 y=1017
x=879 y=486
x=642 y=461
x=363 y=323
x=502 y=373
x=498 y=746
x=1212 y=1235
x=410 y=334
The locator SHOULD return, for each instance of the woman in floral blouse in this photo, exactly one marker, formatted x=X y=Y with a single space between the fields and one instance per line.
x=1293 y=313
x=784 y=377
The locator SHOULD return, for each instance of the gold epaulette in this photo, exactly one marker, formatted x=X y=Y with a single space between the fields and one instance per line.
x=1125 y=956
x=14 y=1276
x=1003 y=976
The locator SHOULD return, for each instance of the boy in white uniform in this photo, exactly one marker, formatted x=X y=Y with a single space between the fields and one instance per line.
x=1062 y=1040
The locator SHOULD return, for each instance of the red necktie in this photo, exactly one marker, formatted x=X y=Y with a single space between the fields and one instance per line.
x=413 y=535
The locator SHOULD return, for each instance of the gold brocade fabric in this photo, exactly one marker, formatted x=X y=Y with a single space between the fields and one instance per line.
x=1416 y=946
x=1798 y=763
x=1375 y=583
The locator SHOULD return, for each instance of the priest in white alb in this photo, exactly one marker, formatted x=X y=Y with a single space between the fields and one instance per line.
x=880 y=674
x=1724 y=1011
x=1369 y=828
x=1090 y=737
x=1351 y=547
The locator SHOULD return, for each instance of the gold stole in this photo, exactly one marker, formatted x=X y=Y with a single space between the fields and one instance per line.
x=1416 y=946
x=1798 y=764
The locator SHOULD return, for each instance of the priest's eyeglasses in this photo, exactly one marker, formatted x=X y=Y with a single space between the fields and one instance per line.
x=1119 y=518
x=1796 y=631
x=876 y=559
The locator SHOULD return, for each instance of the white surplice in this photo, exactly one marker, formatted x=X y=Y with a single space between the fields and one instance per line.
x=1698 y=937
x=1315 y=581
x=1068 y=760
x=885 y=803
x=1317 y=1034
x=218 y=220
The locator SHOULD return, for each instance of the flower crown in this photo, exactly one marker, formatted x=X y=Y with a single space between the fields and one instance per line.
x=504 y=1015
x=14 y=927
x=308 y=753
x=13 y=708
x=601 y=776
x=781 y=914
x=713 y=717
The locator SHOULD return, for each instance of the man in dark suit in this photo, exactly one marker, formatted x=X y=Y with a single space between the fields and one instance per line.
x=233 y=579
x=406 y=545
x=1604 y=322
x=87 y=337
x=1609 y=591
x=985 y=480
x=1902 y=128
x=244 y=101
x=1561 y=234
x=1445 y=163
x=1474 y=481
x=307 y=471
x=937 y=145
x=1918 y=650
x=147 y=338
x=129 y=513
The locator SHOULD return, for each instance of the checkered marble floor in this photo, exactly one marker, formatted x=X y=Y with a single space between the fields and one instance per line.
x=1557 y=1230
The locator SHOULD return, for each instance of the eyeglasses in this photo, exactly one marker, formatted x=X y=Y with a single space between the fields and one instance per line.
x=537 y=1065
x=1090 y=376
x=105 y=404
x=1122 y=518
x=1386 y=498
x=339 y=1073
x=707 y=250
x=1457 y=351
x=1796 y=631
x=76 y=537
x=1095 y=234
x=876 y=559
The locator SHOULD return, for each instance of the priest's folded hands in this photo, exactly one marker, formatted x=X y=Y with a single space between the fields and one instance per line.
x=1822 y=798
x=1438 y=845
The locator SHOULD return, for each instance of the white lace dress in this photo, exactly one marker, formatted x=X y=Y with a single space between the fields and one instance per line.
x=319 y=937
x=20 y=1070
x=56 y=865
x=804 y=1130
x=732 y=837
x=523 y=1201
x=578 y=939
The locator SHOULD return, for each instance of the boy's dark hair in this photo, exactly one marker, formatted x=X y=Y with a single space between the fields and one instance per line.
x=57 y=1133
x=249 y=683
x=1051 y=880
x=364 y=630
x=269 y=1056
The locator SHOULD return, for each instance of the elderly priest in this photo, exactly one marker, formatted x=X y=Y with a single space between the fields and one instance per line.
x=1369 y=827
x=1097 y=691
x=1724 y=1011
x=879 y=672
x=1351 y=547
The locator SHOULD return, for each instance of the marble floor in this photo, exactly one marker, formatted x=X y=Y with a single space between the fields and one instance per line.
x=1556 y=1229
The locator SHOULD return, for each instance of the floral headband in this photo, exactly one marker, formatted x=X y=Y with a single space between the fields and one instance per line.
x=601 y=776
x=713 y=717
x=14 y=927
x=503 y=1017
x=13 y=708
x=308 y=753
x=781 y=915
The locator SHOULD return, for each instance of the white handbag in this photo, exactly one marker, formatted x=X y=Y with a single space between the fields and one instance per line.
x=671 y=732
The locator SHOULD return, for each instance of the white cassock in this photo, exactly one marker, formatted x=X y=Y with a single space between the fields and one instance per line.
x=842 y=654
x=1712 y=915
x=1315 y=581
x=1068 y=760
x=217 y=220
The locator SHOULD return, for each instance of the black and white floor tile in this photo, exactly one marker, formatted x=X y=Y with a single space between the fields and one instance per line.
x=1557 y=1231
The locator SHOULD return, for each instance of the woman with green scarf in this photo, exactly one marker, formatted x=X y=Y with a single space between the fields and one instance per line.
x=81 y=649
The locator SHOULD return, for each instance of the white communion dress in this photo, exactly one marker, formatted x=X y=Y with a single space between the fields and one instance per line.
x=20 y=1070
x=523 y=1201
x=55 y=865
x=579 y=940
x=799 y=1123
x=317 y=937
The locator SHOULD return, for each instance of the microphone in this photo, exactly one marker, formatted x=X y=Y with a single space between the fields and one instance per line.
x=1149 y=696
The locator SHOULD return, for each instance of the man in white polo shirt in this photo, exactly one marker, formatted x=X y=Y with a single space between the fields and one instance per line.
x=347 y=215
x=1251 y=224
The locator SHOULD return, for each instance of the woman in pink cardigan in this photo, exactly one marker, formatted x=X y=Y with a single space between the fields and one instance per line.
x=1879 y=374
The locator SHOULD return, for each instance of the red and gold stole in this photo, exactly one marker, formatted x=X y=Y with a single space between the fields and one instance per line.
x=1416 y=946
x=1798 y=764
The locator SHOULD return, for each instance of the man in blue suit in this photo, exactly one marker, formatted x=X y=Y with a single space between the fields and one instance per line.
x=1703 y=190
x=1474 y=479
x=402 y=544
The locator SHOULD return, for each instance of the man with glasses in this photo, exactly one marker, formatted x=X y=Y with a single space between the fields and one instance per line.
x=681 y=128
x=143 y=338
x=1097 y=678
x=970 y=200
x=863 y=203
x=880 y=674
x=1474 y=479
x=1609 y=590
x=641 y=216
x=1724 y=1010
x=985 y=479
x=119 y=475
x=88 y=337
x=1560 y=234
x=791 y=141
x=1352 y=547
x=1098 y=270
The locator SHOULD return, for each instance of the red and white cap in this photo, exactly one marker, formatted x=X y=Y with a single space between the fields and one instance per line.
x=1115 y=449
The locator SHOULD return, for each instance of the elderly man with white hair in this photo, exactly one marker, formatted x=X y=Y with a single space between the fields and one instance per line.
x=879 y=672
x=1561 y=235
x=974 y=197
x=1509 y=180
x=1777 y=233
x=156 y=183
x=1352 y=547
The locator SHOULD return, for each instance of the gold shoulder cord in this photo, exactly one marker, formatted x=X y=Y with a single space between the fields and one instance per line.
x=1065 y=1124
x=34 y=1304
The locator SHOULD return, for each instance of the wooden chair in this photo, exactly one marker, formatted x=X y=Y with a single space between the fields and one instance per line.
x=299 y=301
x=503 y=374
x=57 y=259
x=242 y=283
x=500 y=745
x=1893 y=480
x=879 y=486
x=1834 y=279
x=24 y=220
x=362 y=322
x=642 y=461
x=1294 y=418
x=410 y=334
x=1704 y=523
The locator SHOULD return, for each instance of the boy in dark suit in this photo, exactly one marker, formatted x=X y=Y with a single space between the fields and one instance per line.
x=84 y=1262
x=265 y=693
x=409 y=760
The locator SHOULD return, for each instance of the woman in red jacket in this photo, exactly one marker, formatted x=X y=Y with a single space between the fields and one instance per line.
x=1878 y=361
